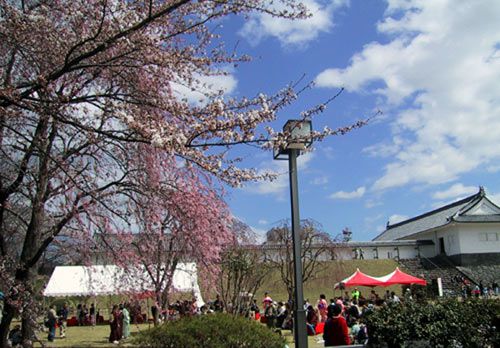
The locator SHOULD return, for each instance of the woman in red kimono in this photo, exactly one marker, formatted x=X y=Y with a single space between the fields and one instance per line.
x=115 y=322
x=336 y=332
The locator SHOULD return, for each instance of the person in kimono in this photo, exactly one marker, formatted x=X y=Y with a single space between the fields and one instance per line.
x=126 y=320
x=115 y=322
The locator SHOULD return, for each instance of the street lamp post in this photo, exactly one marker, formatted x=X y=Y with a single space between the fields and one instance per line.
x=298 y=131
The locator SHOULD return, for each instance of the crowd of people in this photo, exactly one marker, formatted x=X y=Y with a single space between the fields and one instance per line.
x=340 y=319
x=59 y=318
x=478 y=290
x=119 y=320
x=176 y=310
x=86 y=316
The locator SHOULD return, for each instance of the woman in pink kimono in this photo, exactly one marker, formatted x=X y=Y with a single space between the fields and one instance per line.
x=322 y=308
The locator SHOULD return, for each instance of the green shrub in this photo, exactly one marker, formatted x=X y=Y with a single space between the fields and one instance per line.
x=442 y=324
x=210 y=331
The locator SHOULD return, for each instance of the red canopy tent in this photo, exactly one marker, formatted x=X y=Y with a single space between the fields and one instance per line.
x=400 y=277
x=358 y=278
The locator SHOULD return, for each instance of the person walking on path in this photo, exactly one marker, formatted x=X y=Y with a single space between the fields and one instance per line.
x=126 y=321
x=92 y=315
x=63 y=320
x=51 y=323
x=115 y=321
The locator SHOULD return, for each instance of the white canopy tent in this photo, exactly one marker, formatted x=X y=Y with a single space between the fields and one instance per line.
x=111 y=279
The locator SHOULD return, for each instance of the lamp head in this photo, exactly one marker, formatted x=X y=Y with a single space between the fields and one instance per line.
x=298 y=137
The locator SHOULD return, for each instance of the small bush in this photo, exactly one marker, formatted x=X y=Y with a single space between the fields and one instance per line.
x=210 y=331
x=442 y=324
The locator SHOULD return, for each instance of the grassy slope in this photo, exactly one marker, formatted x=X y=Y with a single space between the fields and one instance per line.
x=332 y=272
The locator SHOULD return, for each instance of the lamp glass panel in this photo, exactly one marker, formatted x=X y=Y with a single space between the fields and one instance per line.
x=298 y=129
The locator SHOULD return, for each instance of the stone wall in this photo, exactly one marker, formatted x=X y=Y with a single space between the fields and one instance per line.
x=476 y=259
x=431 y=269
x=486 y=274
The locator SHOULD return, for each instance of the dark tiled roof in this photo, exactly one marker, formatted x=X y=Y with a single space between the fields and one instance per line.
x=439 y=217
x=477 y=218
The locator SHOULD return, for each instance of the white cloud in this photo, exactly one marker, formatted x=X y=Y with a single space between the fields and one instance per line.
x=439 y=72
x=495 y=198
x=297 y=32
x=370 y=220
x=439 y=204
x=263 y=222
x=385 y=150
x=207 y=85
x=358 y=193
x=394 y=219
x=370 y=203
x=328 y=152
x=320 y=180
x=279 y=186
x=493 y=169
x=455 y=191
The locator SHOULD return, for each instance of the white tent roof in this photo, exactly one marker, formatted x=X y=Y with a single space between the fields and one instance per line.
x=111 y=279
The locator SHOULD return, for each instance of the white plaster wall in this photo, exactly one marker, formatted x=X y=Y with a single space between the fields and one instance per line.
x=470 y=242
x=451 y=238
x=428 y=250
x=344 y=254
x=408 y=252
x=368 y=253
x=462 y=239
x=405 y=252
x=452 y=243
x=386 y=253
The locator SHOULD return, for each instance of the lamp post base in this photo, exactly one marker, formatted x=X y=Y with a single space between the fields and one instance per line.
x=300 y=333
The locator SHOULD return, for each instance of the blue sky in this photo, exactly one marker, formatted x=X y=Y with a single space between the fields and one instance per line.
x=433 y=69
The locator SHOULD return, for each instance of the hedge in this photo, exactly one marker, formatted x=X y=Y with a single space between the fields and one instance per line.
x=449 y=323
x=210 y=331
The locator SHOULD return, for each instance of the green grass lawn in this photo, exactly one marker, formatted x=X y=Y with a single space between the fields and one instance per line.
x=87 y=336
x=313 y=341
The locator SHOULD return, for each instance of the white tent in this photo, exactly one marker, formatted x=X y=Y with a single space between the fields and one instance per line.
x=111 y=279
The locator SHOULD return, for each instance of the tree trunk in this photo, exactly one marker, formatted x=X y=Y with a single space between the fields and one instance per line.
x=8 y=315
x=157 y=304
x=24 y=278
x=27 y=330
x=291 y=297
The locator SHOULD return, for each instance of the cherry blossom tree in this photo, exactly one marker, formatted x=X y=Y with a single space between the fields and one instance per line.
x=81 y=84
x=179 y=216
